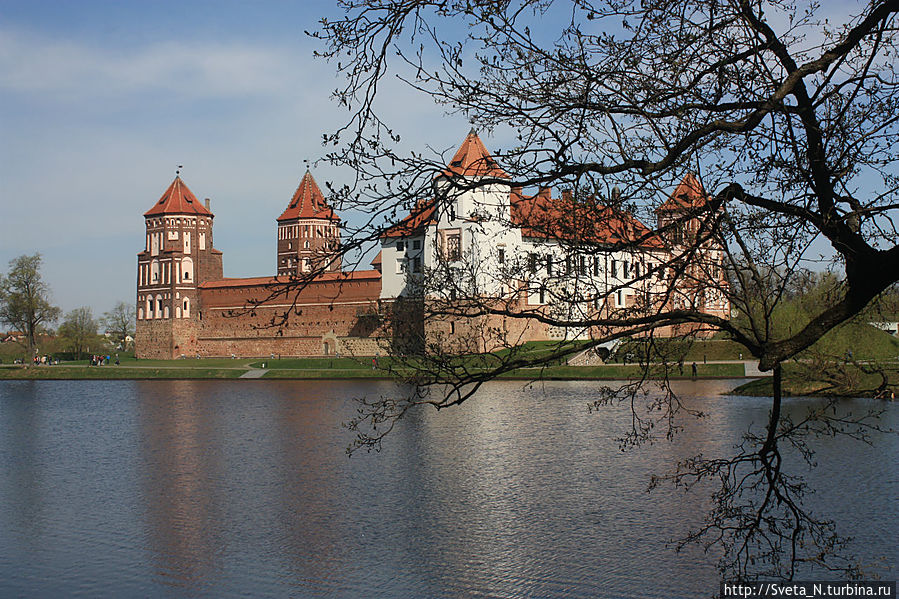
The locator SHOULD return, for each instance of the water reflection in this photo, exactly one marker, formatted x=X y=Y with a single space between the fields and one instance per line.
x=222 y=489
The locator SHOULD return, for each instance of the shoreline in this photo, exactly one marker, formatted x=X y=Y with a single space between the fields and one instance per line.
x=710 y=371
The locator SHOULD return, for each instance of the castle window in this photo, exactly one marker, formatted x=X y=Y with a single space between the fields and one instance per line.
x=501 y=256
x=186 y=311
x=289 y=245
x=596 y=266
x=202 y=241
x=158 y=306
x=416 y=244
x=187 y=269
x=400 y=246
x=154 y=271
x=306 y=245
x=614 y=268
x=549 y=265
x=454 y=246
x=416 y=264
x=187 y=242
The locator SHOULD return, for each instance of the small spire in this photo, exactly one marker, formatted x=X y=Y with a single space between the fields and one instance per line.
x=473 y=131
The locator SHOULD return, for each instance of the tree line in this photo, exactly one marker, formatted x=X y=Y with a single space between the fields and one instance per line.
x=26 y=306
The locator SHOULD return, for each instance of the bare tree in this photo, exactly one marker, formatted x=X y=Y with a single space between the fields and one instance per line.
x=25 y=298
x=784 y=116
x=120 y=322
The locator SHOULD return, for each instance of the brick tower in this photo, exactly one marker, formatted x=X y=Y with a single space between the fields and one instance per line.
x=308 y=232
x=178 y=256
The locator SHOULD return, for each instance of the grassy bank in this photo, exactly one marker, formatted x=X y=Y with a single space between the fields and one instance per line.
x=345 y=368
x=834 y=379
x=114 y=373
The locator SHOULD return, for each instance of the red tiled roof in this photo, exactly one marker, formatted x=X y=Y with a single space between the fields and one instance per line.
x=544 y=217
x=473 y=160
x=308 y=202
x=420 y=217
x=377 y=260
x=178 y=199
x=689 y=194
x=357 y=275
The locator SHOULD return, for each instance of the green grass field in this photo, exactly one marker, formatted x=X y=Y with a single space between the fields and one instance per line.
x=114 y=373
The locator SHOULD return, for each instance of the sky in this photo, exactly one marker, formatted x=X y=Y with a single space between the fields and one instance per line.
x=100 y=102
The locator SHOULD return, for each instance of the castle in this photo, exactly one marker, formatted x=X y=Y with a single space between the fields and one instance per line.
x=489 y=241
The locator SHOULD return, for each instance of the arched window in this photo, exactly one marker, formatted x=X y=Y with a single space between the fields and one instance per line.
x=140 y=313
x=187 y=242
x=186 y=311
x=154 y=271
x=158 y=306
x=187 y=270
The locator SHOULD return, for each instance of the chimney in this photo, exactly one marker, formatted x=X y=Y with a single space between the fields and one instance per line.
x=207 y=205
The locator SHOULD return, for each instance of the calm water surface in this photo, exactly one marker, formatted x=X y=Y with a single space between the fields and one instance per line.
x=217 y=489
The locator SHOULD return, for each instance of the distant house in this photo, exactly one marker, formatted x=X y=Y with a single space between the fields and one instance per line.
x=890 y=327
x=12 y=337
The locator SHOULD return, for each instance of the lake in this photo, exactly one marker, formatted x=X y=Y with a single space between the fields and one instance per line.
x=243 y=488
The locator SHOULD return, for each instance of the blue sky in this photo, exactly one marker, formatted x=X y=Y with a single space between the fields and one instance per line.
x=99 y=102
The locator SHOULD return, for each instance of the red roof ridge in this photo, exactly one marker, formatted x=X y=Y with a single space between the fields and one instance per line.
x=178 y=199
x=472 y=159
x=542 y=216
x=688 y=194
x=327 y=277
x=308 y=202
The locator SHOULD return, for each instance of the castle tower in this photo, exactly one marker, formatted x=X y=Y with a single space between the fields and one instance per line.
x=177 y=257
x=308 y=232
x=689 y=196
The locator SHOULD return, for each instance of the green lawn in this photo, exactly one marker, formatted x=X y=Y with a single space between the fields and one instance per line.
x=803 y=379
x=630 y=371
x=114 y=372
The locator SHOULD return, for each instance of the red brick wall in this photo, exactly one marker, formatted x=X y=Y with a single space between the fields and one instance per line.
x=258 y=320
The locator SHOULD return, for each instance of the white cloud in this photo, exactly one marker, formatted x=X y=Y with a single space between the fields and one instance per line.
x=32 y=64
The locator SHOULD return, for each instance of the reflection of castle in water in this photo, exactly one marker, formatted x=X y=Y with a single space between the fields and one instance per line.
x=212 y=484
x=177 y=482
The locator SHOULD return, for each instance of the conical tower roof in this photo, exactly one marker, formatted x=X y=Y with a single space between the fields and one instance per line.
x=472 y=159
x=688 y=195
x=178 y=199
x=308 y=202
